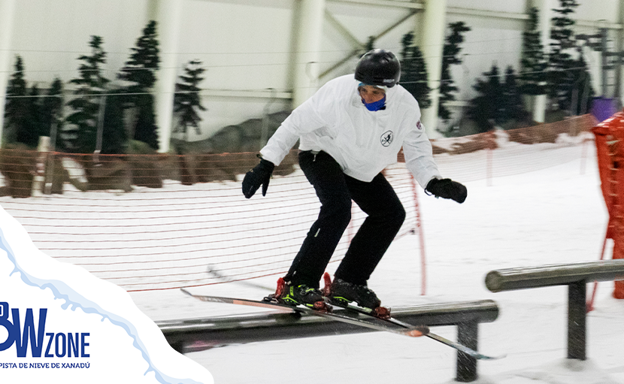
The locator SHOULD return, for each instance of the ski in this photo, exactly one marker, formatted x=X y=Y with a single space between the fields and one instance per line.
x=274 y=304
x=384 y=315
x=460 y=347
x=377 y=323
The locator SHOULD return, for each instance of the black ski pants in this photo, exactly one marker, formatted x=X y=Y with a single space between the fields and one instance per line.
x=335 y=190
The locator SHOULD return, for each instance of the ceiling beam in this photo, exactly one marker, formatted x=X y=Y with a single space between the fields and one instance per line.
x=382 y=3
x=471 y=12
x=343 y=30
x=360 y=50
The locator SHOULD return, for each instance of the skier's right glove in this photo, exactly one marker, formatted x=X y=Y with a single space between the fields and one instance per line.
x=258 y=176
x=447 y=189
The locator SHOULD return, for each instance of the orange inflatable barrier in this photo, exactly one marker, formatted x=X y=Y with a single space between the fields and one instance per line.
x=610 y=151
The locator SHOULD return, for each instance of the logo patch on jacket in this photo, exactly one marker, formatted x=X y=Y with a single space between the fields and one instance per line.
x=386 y=138
x=419 y=125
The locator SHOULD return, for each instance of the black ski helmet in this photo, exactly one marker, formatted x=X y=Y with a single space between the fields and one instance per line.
x=378 y=67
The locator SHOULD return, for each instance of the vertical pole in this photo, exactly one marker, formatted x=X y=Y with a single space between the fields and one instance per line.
x=307 y=55
x=49 y=168
x=432 y=45
x=167 y=16
x=539 y=101
x=421 y=240
x=539 y=108
x=467 y=334
x=7 y=8
x=590 y=304
x=583 y=155
x=488 y=167
x=619 y=49
x=545 y=9
x=100 y=130
x=577 y=320
x=603 y=63
x=264 y=135
x=489 y=157
x=42 y=154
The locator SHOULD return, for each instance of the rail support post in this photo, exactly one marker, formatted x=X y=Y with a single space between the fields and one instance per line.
x=577 y=320
x=468 y=335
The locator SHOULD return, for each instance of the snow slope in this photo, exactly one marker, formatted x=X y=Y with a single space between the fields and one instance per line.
x=553 y=215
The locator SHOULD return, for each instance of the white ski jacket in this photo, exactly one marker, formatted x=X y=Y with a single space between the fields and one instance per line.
x=335 y=120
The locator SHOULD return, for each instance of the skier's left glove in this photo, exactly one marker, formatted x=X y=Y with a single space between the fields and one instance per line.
x=447 y=189
x=260 y=175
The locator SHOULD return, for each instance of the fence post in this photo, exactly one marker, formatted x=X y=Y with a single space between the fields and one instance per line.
x=39 y=177
x=577 y=320
x=583 y=155
x=488 y=162
x=468 y=335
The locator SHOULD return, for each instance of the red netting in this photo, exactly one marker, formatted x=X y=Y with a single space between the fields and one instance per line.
x=166 y=221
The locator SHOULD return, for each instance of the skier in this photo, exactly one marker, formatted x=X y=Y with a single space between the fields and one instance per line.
x=349 y=131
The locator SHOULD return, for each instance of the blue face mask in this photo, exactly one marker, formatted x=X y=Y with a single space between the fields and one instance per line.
x=375 y=106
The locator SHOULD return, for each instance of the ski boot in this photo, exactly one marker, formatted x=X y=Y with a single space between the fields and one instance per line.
x=286 y=293
x=342 y=293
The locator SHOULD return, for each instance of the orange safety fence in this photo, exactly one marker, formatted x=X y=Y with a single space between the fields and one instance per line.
x=610 y=151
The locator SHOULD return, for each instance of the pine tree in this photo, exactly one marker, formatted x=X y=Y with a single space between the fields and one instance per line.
x=32 y=129
x=187 y=100
x=487 y=109
x=114 y=136
x=16 y=107
x=414 y=71
x=561 y=63
x=140 y=72
x=145 y=128
x=450 y=57
x=91 y=85
x=513 y=107
x=144 y=61
x=29 y=115
x=370 y=43
x=533 y=63
x=52 y=110
x=582 y=93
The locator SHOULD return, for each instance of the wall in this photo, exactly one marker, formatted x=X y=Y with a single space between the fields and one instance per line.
x=246 y=45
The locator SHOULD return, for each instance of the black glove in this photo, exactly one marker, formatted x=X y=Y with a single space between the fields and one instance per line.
x=260 y=175
x=447 y=189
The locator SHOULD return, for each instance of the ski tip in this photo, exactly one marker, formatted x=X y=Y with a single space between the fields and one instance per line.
x=415 y=333
x=485 y=357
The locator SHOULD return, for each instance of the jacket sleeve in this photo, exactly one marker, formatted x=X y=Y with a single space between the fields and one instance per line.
x=308 y=117
x=419 y=154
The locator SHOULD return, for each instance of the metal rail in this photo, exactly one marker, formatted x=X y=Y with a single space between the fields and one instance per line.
x=575 y=276
x=201 y=334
